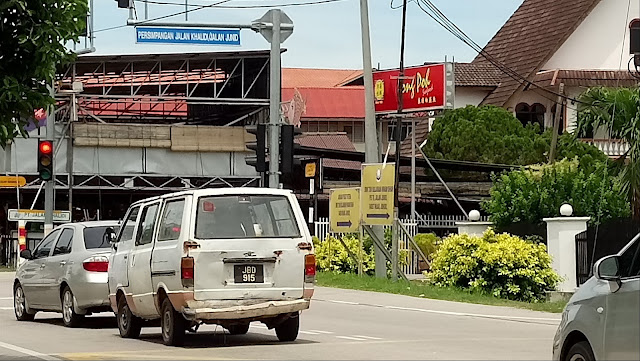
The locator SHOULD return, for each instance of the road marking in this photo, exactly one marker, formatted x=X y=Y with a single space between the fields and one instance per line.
x=367 y=337
x=260 y=326
x=323 y=332
x=6 y=298
x=25 y=351
x=309 y=332
x=450 y=313
x=6 y=308
x=351 y=338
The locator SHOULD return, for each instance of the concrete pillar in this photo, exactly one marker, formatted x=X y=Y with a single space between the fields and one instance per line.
x=561 y=245
x=473 y=227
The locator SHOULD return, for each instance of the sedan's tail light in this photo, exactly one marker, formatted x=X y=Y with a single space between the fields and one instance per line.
x=187 y=271
x=96 y=264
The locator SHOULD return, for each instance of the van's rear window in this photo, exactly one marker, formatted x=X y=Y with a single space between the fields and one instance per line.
x=245 y=216
x=95 y=237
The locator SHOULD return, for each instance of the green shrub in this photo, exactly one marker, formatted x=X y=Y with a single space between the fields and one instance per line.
x=531 y=195
x=427 y=243
x=502 y=265
x=332 y=256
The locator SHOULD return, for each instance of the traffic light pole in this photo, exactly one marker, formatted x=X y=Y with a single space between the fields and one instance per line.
x=49 y=185
x=275 y=73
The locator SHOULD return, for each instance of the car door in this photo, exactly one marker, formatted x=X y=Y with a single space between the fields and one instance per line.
x=34 y=282
x=56 y=268
x=118 y=272
x=622 y=321
x=165 y=261
x=140 y=261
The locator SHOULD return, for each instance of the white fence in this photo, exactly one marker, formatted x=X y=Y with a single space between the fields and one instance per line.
x=323 y=230
x=442 y=221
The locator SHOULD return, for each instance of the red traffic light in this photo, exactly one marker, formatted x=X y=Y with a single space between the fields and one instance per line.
x=46 y=147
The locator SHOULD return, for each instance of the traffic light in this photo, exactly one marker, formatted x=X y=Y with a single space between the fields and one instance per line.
x=123 y=4
x=45 y=160
x=288 y=147
x=259 y=161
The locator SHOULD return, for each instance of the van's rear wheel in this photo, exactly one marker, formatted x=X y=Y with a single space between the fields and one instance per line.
x=239 y=329
x=129 y=325
x=173 y=325
x=288 y=330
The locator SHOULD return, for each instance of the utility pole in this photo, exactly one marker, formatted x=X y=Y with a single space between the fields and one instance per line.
x=49 y=188
x=371 y=151
x=396 y=202
x=556 y=124
x=274 y=102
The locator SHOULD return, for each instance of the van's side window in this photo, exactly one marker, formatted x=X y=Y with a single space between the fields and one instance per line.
x=171 y=221
x=147 y=224
x=130 y=224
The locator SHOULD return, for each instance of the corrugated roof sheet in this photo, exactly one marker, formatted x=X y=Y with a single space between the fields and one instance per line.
x=337 y=140
x=529 y=38
x=347 y=102
x=317 y=78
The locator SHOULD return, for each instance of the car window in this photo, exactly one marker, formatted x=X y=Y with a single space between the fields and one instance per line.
x=44 y=248
x=147 y=223
x=126 y=232
x=245 y=216
x=96 y=237
x=630 y=261
x=171 y=221
x=63 y=246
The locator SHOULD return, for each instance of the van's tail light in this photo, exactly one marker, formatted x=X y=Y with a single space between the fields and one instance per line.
x=96 y=264
x=187 y=271
x=309 y=268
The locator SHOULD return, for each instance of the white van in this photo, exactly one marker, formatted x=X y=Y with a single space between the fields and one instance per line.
x=220 y=256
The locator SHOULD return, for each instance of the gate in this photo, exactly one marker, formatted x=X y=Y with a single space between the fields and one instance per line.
x=583 y=271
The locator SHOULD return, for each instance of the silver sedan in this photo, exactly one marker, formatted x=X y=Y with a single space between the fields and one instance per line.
x=66 y=272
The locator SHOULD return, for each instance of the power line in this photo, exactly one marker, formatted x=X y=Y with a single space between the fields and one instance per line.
x=439 y=17
x=318 y=2
x=218 y=5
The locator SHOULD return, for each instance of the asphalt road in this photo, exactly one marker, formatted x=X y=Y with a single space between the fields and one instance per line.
x=341 y=324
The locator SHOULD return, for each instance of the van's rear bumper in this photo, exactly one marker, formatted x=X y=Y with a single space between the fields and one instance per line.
x=263 y=309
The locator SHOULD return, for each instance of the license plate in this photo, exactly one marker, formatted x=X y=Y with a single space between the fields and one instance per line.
x=248 y=273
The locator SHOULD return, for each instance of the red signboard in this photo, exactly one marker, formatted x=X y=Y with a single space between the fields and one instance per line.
x=423 y=88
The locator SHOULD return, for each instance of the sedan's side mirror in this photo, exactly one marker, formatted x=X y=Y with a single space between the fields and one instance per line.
x=110 y=234
x=608 y=269
x=26 y=254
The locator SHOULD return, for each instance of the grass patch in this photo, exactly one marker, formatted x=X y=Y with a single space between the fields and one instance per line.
x=423 y=290
x=7 y=269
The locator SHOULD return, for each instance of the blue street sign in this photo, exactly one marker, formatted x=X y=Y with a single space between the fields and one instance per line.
x=188 y=36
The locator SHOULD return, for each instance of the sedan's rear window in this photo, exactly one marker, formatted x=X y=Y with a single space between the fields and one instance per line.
x=96 y=237
x=245 y=216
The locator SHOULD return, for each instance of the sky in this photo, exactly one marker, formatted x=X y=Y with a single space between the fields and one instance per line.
x=326 y=35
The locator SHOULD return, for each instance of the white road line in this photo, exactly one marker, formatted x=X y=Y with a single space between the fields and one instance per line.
x=6 y=298
x=6 y=308
x=25 y=351
x=367 y=337
x=260 y=326
x=451 y=313
x=309 y=332
x=323 y=332
x=351 y=338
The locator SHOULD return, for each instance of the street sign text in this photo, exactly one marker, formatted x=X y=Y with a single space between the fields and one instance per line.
x=188 y=36
x=378 y=183
x=31 y=215
x=344 y=210
x=12 y=181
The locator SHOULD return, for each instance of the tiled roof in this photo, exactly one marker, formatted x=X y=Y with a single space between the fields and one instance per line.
x=477 y=75
x=332 y=103
x=530 y=37
x=338 y=140
x=586 y=78
x=317 y=78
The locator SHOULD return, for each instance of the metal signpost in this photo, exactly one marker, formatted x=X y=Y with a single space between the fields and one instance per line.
x=275 y=26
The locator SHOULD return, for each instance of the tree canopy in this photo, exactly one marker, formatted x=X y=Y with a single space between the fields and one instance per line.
x=33 y=34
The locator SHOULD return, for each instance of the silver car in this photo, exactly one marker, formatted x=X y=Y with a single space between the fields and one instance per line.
x=66 y=272
x=602 y=319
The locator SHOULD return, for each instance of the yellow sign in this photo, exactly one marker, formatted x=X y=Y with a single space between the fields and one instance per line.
x=378 y=182
x=12 y=181
x=379 y=90
x=310 y=170
x=344 y=210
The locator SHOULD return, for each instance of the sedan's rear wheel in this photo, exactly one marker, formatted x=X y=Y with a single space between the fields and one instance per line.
x=69 y=315
x=581 y=351
x=129 y=325
x=20 y=307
